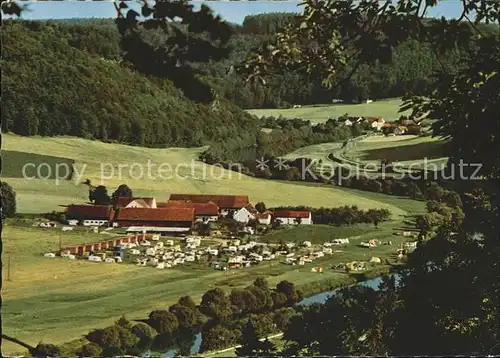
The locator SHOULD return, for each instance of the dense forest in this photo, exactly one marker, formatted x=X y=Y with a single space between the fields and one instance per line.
x=68 y=78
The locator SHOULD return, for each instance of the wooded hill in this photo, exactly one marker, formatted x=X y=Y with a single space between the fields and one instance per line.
x=66 y=78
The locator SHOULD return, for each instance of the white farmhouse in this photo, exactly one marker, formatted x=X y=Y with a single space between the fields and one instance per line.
x=126 y=202
x=90 y=215
x=293 y=217
x=245 y=214
x=264 y=218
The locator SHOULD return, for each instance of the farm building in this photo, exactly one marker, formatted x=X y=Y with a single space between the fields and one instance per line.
x=226 y=203
x=264 y=218
x=156 y=220
x=89 y=215
x=204 y=212
x=124 y=202
x=375 y=122
x=293 y=217
x=245 y=214
x=349 y=121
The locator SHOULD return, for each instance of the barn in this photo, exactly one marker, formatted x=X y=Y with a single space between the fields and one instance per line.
x=161 y=220
x=89 y=215
x=204 y=212
x=228 y=204
x=125 y=202
x=293 y=217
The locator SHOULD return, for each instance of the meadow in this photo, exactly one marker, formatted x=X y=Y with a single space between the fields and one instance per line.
x=100 y=162
x=387 y=109
x=17 y=164
x=407 y=150
x=58 y=300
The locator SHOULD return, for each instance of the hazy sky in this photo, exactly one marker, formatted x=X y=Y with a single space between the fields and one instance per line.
x=233 y=11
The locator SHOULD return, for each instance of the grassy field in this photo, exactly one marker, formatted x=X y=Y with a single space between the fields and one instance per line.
x=407 y=150
x=57 y=300
x=13 y=164
x=387 y=108
x=100 y=162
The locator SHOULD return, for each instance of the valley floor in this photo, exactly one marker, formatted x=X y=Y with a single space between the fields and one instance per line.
x=56 y=300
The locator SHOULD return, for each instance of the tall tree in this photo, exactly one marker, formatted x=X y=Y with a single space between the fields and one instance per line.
x=122 y=191
x=8 y=200
x=185 y=36
x=99 y=195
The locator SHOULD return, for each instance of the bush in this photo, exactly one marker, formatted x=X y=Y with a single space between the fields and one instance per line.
x=113 y=336
x=47 y=350
x=143 y=331
x=89 y=350
x=163 y=321
x=112 y=352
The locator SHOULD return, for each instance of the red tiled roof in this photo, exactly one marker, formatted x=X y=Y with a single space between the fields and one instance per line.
x=89 y=212
x=222 y=201
x=162 y=214
x=199 y=208
x=122 y=201
x=291 y=214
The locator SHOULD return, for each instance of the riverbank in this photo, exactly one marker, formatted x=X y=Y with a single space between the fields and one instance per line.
x=324 y=290
x=371 y=279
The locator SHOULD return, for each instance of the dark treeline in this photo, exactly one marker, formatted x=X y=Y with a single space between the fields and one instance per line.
x=277 y=137
x=67 y=78
x=344 y=215
x=411 y=71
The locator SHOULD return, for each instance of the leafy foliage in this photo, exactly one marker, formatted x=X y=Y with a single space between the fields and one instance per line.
x=47 y=350
x=8 y=200
x=163 y=321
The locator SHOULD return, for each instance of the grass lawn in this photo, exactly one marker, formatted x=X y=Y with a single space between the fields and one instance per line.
x=94 y=160
x=58 y=300
x=13 y=163
x=387 y=108
x=316 y=234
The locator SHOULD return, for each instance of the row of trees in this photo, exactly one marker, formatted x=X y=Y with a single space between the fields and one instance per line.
x=257 y=308
x=223 y=319
x=133 y=108
x=344 y=215
x=280 y=136
x=99 y=195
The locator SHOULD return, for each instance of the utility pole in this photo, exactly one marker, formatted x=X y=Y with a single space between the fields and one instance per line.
x=8 y=270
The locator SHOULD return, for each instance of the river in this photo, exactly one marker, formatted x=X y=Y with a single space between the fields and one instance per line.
x=319 y=298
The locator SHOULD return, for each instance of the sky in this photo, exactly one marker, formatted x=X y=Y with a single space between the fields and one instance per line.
x=232 y=11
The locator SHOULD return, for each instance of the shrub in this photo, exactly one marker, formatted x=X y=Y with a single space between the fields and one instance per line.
x=89 y=350
x=47 y=350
